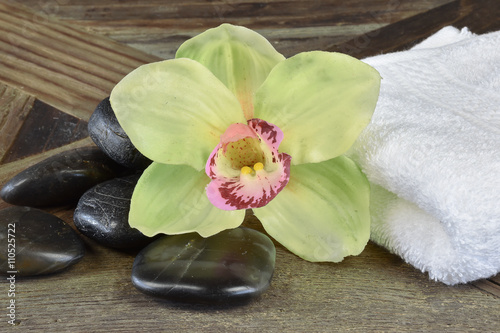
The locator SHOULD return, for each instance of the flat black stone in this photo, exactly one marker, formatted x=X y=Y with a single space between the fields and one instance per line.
x=234 y=265
x=106 y=132
x=60 y=179
x=102 y=214
x=42 y=242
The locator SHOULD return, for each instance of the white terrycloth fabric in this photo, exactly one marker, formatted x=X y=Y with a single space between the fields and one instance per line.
x=432 y=154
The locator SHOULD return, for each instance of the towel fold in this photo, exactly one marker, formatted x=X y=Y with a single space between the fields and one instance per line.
x=432 y=154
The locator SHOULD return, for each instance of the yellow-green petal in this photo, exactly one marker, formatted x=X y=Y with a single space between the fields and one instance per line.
x=171 y=199
x=239 y=57
x=174 y=111
x=321 y=101
x=323 y=212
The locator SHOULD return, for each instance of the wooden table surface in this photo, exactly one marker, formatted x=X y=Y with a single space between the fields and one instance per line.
x=59 y=58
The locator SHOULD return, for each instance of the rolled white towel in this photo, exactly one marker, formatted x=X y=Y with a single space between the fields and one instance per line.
x=432 y=154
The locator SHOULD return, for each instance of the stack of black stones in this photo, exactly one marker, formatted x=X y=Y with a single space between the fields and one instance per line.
x=234 y=265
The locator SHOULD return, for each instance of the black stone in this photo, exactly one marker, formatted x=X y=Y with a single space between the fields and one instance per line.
x=102 y=214
x=60 y=179
x=42 y=243
x=234 y=265
x=108 y=135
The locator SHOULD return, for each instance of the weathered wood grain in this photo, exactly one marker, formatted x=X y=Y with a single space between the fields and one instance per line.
x=44 y=128
x=491 y=285
x=70 y=68
x=293 y=26
x=64 y=67
x=480 y=16
x=14 y=108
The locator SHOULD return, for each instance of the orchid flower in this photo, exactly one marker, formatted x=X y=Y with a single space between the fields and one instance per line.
x=232 y=125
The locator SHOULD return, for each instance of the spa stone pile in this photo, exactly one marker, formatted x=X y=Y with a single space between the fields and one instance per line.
x=234 y=265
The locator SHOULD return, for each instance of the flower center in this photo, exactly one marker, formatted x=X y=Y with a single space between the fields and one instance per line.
x=246 y=170
x=243 y=153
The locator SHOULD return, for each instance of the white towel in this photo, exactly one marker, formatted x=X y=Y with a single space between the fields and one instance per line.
x=432 y=154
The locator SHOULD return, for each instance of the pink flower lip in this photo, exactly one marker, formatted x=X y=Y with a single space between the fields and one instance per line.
x=246 y=169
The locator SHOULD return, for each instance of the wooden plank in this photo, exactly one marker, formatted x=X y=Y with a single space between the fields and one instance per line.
x=64 y=67
x=292 y=26
x=44 y=128
x=489 y=286
x=479 y=16
x=14 y=108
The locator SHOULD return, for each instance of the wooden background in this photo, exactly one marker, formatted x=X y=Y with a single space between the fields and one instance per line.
x=59 y=58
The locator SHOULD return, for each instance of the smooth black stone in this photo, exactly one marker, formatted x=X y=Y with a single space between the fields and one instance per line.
x=60 y=179
x=42 y=242
x=108 y=135
x=234 y=265
x=102 y=214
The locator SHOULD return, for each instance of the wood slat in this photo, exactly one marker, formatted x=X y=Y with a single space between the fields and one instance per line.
x=292 y=26
x=491 y=285
x=14 y=108
x=292 y=13
x=64 y=67
x=43 y=129
x=480 y=16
